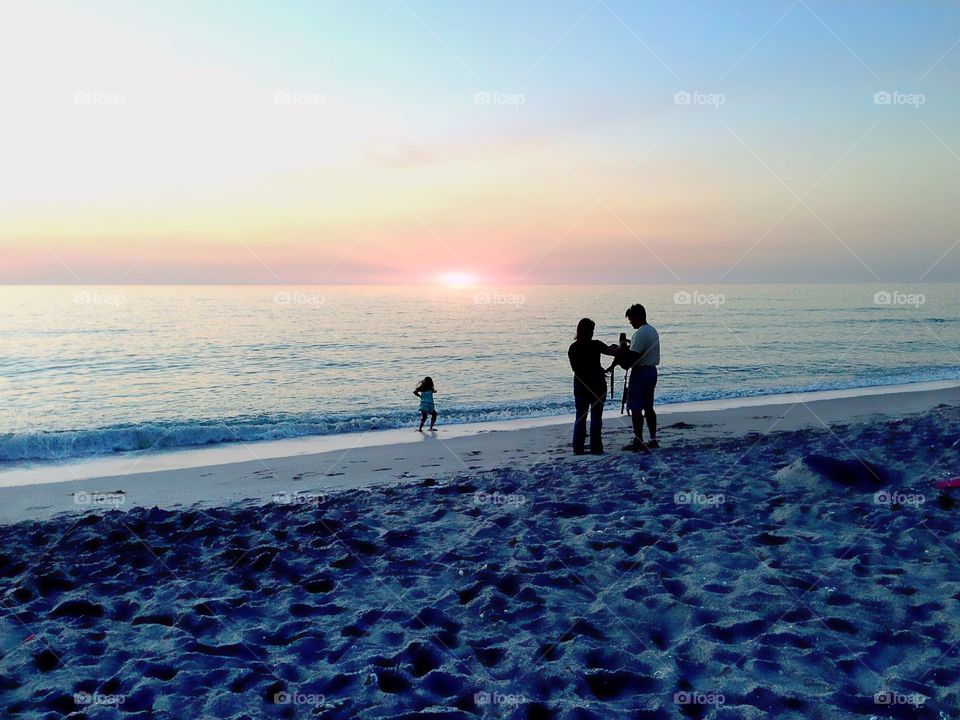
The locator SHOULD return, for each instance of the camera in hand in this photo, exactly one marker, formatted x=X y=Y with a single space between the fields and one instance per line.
x=625 y=357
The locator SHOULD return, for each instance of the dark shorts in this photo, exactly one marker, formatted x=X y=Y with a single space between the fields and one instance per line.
x=643 y=380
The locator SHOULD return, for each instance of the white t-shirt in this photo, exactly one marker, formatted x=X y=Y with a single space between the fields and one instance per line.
x=646 y=341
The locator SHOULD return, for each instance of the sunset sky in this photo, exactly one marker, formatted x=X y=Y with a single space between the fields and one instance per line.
x=382 y=141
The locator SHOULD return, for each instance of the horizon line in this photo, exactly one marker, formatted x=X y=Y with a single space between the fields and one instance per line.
x=475 y=284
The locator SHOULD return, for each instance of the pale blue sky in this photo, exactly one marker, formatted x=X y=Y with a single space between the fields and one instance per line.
x=199 y=159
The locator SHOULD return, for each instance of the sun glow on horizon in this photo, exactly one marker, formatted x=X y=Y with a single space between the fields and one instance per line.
x=457 y=279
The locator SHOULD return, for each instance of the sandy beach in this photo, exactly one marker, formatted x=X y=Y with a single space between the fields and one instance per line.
x=781 y=560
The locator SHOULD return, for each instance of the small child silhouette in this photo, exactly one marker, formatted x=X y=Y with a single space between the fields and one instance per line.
x=425 y=391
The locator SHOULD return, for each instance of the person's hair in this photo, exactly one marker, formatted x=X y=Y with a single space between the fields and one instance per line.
x=426 y=384
x=636 y=312
x=585 y=329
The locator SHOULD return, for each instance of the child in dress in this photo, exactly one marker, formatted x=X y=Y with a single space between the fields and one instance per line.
x=425 y=391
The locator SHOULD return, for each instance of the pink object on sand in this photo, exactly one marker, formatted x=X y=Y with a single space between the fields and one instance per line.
x=951 y=483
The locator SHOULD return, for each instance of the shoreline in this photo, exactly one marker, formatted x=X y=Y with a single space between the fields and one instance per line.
x=313 y=470
x=127 y=463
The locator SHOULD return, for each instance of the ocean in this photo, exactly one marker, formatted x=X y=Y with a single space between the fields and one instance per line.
x=92 y=371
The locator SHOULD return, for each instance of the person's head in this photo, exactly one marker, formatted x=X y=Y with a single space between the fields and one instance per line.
x=427 y=384
x=585 y=329
x=637 y=315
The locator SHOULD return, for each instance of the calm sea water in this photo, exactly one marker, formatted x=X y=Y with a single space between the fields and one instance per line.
x=91 y=371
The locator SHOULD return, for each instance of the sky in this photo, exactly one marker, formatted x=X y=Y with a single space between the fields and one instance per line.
x=518 y=141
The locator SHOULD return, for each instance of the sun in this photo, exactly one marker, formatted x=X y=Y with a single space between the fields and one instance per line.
x=458 y=279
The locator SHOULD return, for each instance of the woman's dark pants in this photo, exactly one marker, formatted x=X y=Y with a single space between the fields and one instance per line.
x=589 y=402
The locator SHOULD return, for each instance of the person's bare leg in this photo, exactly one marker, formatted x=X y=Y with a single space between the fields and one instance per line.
x=433 y=420
x=651 y=418
x=423 y=419
x=637 y=443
